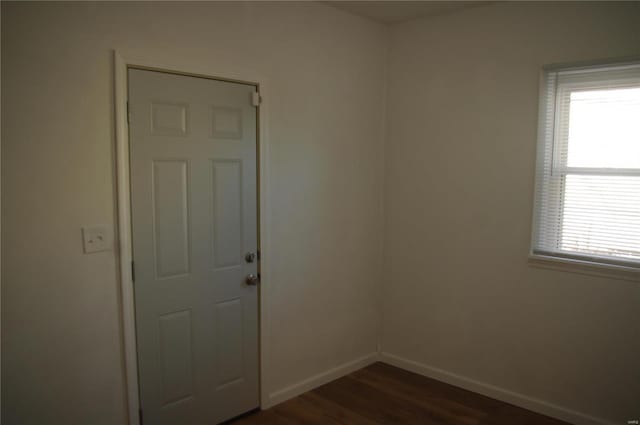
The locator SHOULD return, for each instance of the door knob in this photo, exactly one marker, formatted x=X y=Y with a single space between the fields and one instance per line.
x=252 y=280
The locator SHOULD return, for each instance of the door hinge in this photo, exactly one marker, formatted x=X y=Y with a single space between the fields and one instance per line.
x=133 y=272
x=256 y=99
x=128 y=113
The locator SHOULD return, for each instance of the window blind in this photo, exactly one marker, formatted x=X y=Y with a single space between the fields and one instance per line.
x=587 y=198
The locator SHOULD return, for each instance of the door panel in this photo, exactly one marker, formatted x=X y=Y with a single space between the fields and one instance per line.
x=226 y=196
x=175 y=351
x=194 y=216
x=170 y=218
x=229 y=334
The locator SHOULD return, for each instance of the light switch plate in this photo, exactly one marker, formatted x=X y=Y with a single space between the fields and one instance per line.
x=96 y=238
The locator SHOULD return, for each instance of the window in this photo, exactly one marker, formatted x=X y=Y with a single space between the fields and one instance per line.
x=587 y=200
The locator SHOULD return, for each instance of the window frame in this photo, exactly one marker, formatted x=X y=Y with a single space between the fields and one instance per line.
x=551 y=118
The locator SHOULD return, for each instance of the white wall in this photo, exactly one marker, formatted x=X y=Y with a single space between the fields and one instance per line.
x=62 y=360
x=459 y=294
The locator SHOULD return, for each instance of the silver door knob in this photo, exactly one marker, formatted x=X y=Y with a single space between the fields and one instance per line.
x=252 y=280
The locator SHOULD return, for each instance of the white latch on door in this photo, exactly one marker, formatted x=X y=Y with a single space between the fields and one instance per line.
x=255 y=98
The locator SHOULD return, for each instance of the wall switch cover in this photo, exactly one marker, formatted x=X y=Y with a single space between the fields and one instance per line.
x=96 y=238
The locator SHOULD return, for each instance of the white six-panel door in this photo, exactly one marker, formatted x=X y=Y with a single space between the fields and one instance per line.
x=194 y=220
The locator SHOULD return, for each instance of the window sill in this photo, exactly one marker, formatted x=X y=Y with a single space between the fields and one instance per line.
x=585 y=267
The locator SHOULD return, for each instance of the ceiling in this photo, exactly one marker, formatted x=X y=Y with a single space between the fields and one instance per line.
x=395 y=11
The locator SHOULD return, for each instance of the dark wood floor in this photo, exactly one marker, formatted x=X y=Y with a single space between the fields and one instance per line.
x=383 y=394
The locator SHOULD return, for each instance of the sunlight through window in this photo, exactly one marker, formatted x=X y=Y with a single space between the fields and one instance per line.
x=588 y=174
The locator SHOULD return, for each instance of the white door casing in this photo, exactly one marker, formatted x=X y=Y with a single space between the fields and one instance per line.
x=194 y=216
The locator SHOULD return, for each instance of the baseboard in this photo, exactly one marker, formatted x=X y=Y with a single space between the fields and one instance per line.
x=520 y=400
x=315 y=381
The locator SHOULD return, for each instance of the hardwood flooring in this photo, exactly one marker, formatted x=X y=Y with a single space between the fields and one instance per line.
x=383 y=394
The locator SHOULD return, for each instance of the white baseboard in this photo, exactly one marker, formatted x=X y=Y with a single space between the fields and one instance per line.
x=315 y=381
x=520 y=400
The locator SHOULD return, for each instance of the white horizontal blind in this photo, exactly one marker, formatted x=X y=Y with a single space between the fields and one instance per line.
x=587 y=200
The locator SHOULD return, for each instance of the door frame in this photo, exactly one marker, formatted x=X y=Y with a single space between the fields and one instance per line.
x=122 y=62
